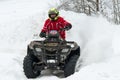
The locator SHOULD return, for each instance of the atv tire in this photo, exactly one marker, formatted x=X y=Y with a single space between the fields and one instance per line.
x=77 y=52
x=28 y=67
x=70 y=65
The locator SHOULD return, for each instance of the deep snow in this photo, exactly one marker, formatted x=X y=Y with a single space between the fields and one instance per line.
x=21 y=22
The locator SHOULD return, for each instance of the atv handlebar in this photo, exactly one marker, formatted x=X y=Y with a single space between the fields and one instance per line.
x=43 y=34
x=63 y=29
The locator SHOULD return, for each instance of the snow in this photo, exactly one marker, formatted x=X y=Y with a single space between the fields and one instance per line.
x=21 y=22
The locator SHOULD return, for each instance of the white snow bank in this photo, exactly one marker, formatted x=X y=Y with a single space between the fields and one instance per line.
x=21 y=22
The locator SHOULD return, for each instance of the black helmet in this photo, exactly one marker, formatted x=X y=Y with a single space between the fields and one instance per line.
x=53 y=11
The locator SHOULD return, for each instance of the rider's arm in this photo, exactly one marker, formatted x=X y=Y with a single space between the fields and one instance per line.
x=66 y=24
x=45 y=27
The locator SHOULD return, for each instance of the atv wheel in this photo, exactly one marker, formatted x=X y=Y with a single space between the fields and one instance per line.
x=28 y=67
x=75 y=52
x=70 y=65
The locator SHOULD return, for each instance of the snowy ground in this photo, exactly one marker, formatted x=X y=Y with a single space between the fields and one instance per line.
x=21 y=22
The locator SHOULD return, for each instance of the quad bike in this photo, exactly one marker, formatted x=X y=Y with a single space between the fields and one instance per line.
x=51 y=53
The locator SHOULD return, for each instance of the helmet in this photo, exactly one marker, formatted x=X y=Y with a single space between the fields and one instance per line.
x=53 y=11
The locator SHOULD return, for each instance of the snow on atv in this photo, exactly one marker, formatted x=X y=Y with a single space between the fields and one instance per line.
x=51 y=53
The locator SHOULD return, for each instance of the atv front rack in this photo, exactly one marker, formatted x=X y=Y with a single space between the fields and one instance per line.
x=54 y=44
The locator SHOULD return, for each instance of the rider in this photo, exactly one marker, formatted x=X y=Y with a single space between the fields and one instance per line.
x=55 y=22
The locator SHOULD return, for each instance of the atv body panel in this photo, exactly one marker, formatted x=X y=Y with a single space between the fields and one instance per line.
x=52 y=53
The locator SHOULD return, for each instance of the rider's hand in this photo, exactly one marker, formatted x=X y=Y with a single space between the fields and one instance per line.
x=42 y=34
x=68 y=27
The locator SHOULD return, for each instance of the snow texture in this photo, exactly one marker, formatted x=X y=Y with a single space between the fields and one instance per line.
x=21 y=22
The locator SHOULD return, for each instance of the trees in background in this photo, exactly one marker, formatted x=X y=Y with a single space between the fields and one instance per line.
x=80 y=6
x=116 y=11
x=108 y=8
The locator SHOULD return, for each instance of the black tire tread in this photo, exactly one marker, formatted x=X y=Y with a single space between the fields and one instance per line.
x=28 y=67
x=70 y=65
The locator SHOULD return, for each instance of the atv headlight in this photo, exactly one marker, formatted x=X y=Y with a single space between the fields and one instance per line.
x=72 y=45
x=38 y=49
x=65 y=50
x=51 y=61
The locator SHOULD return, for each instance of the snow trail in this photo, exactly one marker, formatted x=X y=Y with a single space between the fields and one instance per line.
x=21 y=22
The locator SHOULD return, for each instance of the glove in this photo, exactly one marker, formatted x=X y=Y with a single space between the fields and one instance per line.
x=68 y=27
x=42 y=34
